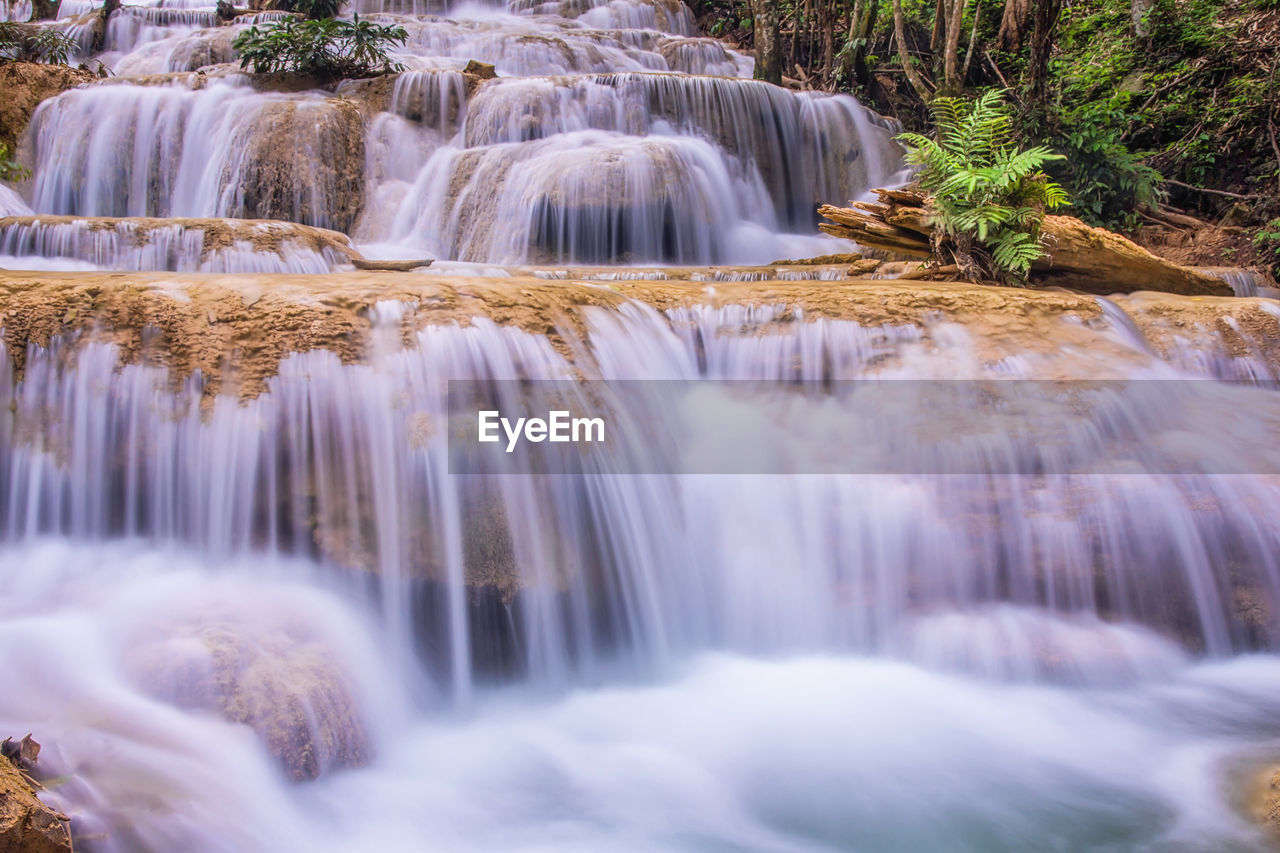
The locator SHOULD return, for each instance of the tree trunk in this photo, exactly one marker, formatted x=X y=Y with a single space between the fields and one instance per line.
x=900 y=35
x=1045 y=22
x=866 y=28
x=1140 y=13
x=44 y=10
x=951 y=82
x=939 y=26
x=1013 y=24
x=768 y=41
x=973 y=41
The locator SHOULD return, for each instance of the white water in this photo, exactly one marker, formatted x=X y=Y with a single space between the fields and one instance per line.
x=127 y=245
x=690 y=663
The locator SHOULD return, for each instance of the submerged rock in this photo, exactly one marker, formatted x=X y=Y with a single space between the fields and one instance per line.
x=26 y=824
x=187 y=245
x=287 y=688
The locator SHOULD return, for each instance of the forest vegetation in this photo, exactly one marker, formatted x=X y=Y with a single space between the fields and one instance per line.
x=1165 y=112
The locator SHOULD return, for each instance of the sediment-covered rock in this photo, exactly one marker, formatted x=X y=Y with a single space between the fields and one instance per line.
x=25 y=85
x=236 y=329
x=221 y=149
x=186 y=245
x=287 y=687
x=26 y=824
x=294 y=148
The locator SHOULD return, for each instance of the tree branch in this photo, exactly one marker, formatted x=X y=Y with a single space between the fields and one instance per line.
x=1223 y=193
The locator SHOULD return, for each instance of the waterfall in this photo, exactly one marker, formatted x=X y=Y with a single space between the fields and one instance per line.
x=341 y=543
x=868 y=565
x=663 y=152
x=347 y=465
x=157 y=244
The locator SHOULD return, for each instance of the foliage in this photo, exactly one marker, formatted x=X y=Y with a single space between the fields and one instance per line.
x=10 y=170
x=26 y=43
x=314 y=10
x=1195 y=97
x=990 y=196
x=1193 y=100
x=1267 y=241
x=1107 y=181
x=328 y=49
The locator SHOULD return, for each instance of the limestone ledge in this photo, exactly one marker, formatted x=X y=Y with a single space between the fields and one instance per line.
x=235 y=329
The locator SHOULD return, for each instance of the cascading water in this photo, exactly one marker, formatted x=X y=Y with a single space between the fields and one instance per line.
x=248 y=605
x=610 y=136
x=332 y=538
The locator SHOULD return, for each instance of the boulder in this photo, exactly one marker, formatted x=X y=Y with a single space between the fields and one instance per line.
x=480 y=70
x=290 y=690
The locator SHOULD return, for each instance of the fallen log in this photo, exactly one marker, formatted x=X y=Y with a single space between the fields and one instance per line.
x=1095 y=260
x=1092 y=260
x=910 y=198
x=911 y=249
x=930 y=272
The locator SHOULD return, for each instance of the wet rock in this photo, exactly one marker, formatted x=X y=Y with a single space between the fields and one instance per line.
x=25 y=85
x=303 y=161
x=391 y=266
x=287 y=688
x=283 y=314
x=481 y=70
x=26 y=824
x=865 y=266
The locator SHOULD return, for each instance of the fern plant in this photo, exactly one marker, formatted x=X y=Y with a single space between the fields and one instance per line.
x=28 y=43
x=989 y=196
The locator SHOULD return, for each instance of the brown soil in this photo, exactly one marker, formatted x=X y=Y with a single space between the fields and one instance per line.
x=25 y=85
x=1209 y=246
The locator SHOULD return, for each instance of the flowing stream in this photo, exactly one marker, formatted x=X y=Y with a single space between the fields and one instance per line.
x=256 y=611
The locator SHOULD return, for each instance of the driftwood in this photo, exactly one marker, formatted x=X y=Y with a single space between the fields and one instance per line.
x=1092 y=260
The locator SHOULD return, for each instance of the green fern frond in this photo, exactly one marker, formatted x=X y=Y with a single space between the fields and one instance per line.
x=985 y=187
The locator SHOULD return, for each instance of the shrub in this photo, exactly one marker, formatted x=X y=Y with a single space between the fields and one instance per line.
x=328 y=48
x=990 y=197
x=1108 y=182
x=25 y=43
x=1267 y=241
x=10 y=170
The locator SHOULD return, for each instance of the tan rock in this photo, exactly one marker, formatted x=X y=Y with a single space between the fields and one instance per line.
x=25 y=85
x=287 y=688
x=26 y=824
